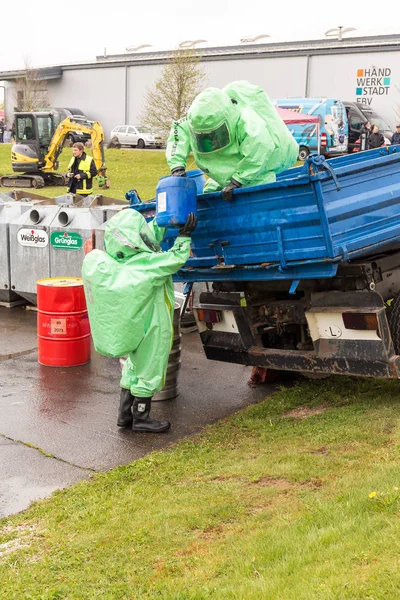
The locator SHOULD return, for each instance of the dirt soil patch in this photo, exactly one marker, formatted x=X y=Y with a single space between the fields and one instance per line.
x=272 y=482
x=280 y=482
x=322 y=450
x=304 y=412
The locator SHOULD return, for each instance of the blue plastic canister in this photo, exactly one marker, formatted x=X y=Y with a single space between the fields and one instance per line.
x=197 y=175
x=199 y=178
x=176 y=197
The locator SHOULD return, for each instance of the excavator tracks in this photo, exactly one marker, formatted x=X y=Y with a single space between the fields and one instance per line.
x=22 y=181
x=33 y=181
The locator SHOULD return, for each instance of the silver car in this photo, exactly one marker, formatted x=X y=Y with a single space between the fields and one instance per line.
x=138 y=136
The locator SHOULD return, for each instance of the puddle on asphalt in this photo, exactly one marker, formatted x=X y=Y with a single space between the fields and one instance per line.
x=16 y=494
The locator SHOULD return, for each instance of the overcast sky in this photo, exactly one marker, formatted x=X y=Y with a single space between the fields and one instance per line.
x=73 y=31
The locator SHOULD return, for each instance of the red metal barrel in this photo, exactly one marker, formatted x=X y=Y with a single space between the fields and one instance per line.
x=62 y=322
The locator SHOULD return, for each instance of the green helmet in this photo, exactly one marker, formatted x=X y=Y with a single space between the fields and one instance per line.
x=212 y=118
x=127 y=233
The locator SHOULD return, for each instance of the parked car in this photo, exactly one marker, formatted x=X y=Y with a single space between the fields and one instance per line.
x=74 y=136
x=357 y=115
x=139 y=136
x=78 y=136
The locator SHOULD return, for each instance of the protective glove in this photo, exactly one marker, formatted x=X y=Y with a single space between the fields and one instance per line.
x=227 y=190
x=178 y=172
x=189 y=226
x=103 y=181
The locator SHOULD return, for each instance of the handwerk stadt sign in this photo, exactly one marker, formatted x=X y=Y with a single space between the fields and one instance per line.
x=372 y=82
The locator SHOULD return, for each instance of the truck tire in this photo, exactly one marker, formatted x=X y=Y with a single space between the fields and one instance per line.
x=303 y=153
x=393 y=315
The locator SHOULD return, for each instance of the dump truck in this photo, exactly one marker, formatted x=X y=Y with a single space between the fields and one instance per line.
x=302 y=274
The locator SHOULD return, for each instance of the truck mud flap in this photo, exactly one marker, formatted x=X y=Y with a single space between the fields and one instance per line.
x=226 y=347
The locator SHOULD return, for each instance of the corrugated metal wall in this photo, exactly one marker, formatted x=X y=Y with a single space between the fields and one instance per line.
x=114 y=95
x=340 y=75
x=99 y=93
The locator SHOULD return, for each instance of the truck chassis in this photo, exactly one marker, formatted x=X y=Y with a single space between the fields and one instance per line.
x=347 y=325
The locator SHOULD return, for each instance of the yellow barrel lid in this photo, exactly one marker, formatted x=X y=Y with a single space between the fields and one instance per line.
x=60 y=281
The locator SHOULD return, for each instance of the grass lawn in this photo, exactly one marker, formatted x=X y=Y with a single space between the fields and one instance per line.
x=295 y=498
x=127 y=169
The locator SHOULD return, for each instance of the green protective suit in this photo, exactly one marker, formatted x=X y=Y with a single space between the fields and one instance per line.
x=130 y=298
x=245 y=140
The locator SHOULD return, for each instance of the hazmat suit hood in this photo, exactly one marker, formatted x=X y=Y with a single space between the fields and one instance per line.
x=127 y=234
x=234 y=134
x=130 y=297
x=212 y=119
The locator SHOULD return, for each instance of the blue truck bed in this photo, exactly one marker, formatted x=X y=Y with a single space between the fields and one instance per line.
x=300 y=227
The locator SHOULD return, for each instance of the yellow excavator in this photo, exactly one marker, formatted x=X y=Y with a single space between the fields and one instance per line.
x=38 y=144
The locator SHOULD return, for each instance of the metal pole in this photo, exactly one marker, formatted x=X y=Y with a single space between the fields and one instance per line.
x=307 y=75
x=126 y=95
x=319 y=139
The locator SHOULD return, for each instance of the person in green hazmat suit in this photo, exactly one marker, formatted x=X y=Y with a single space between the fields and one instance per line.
x=236 y=136
x=130 y=300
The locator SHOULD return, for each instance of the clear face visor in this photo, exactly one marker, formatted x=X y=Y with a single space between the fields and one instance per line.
x=211 y=141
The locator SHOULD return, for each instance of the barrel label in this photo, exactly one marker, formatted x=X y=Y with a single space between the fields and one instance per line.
x=66 y=240
x=58 y=326
x=162 y=202
x=37 y=238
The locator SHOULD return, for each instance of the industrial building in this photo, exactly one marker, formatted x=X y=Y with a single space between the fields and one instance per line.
x=111 y=88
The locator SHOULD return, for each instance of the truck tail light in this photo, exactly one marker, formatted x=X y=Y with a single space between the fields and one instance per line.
x=360 y=321
x=209 y=316
x=323 y=139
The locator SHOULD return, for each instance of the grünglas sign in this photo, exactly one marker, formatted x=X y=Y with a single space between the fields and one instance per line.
x=372 y=82
x=66 y=241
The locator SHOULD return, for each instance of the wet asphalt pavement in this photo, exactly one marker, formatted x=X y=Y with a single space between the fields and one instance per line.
x=58 y=425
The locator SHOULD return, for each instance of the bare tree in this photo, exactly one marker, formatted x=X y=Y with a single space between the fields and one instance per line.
x=31 y=90
x=170 y=99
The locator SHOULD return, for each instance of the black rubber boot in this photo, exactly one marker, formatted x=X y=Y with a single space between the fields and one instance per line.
x=125 y=418
x=141 y=418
